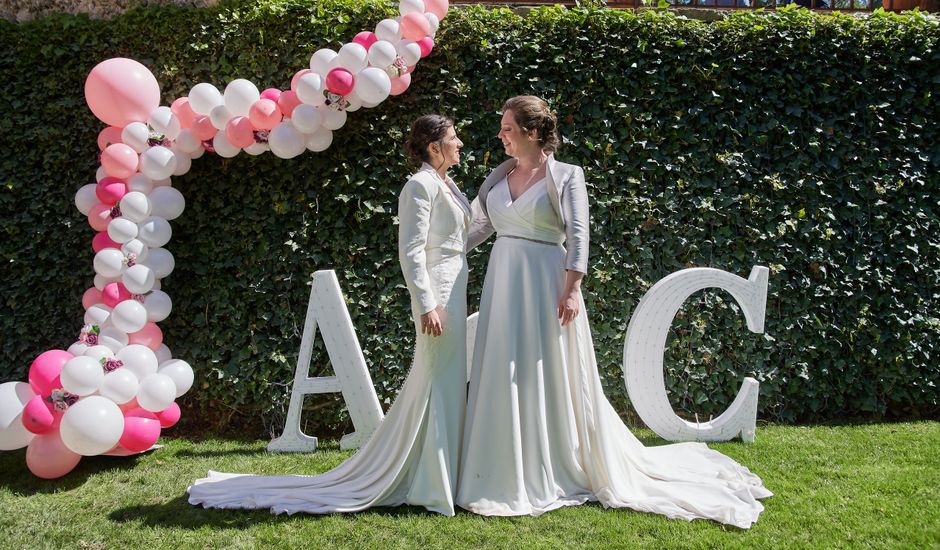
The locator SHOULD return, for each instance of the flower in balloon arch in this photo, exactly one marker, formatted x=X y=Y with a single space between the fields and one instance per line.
x=139 y=297
x=61 y=400
x=158 y=139
x=208 y=146
x=89 y=335
x=111 y=365
x=116 y=212
x=397 y=68
x=261 y=136
x=335 y=101
x=130 y=260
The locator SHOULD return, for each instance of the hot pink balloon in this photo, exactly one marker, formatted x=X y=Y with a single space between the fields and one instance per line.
x=102 y=240
x=184 y=113
x=400 y=84
x=296 y=78
x=264 y=114
x=115 y=293
x=150 y=336
x=38 y=415
x=437 y=7
x=365 y=39
x=91 y=297
x=45 y=369
x=98 y=218
x=110 y=190
x=271 y=93
x=414 y=26
x=340 y=81
x=141 y=430
x=203 y=129
x=287 y=102
x=119 y=160
x=109 y=135
x=240 y=132
x=169 y=416
x=120 y=91
x=426 y=44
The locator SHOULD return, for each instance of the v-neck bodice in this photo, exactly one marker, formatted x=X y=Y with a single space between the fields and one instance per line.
x=530 y=216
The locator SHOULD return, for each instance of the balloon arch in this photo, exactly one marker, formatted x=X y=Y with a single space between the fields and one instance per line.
x=114 y=389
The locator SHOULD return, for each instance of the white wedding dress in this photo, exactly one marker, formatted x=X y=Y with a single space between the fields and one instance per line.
x=413 y=455
x=540 y=434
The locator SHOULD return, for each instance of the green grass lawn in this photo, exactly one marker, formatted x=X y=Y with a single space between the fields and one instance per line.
x=874 y=485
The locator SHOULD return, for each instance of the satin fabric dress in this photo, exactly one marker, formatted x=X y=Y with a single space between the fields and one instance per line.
x=540 y=434
x=413 y=455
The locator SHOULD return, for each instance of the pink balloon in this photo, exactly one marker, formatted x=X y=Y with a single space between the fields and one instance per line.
x=426 y=44
x=296 y=78
x=109 y=135
x=150 y=336
x=287 y=102
x=184 y=113
x=437 y=7
x=240 y=132
x=120 y=91
x=110 y=190
x=365 y=39
x=115 y=293
x=169 y=416
x=414 y=26
x=48 y=457
x=271 y=93
x=38 y=415
x=400 y=84
x=141 y=430
x=91 y=297
x=44 y=372
x=203 y=129
x=129 y=406
x=264 y=114
x=102 y=240
x=340 y=81
x=119 y=160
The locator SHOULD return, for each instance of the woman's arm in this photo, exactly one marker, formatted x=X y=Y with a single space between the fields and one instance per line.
x=480 y=226
x=574 y=204
x=414 y=220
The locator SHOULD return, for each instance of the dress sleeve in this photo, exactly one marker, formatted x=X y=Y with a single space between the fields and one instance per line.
x=414 y=222
x=574 y=204
x=480 y=226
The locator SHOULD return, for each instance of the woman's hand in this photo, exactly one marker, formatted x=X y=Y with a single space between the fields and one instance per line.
x=569 y=306
x=431 y=322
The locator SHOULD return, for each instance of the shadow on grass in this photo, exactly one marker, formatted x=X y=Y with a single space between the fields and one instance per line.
x=18 y=479
x=215 y=453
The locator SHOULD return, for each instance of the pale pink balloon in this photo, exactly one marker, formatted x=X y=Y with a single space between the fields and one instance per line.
x=38 y=415
x=271 y=93
x=414 y=26
x=110 y=190
x=111 y=134
x=129 y=406
x=203 y=129
x=287 y=102
x=141 y=430
x=120 y=91
x=240 y=132
x=296 y=78
x=45 y=369
x=365 y=39
x=437 y=7
x=99 y=217
x=102 y=240
x=150 y=336
x=426 y=44
x=91 y=297
x=264 y=114
x=169 y=416
x=340 y=81
x=119 y=160
x=183 y=111
x=400 y=84
x=115 y=293
x=48 y=457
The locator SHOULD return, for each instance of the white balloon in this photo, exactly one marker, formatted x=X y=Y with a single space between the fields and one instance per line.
x=199 y=152
x=353 y=102
x=78 y=348
x=154 y=231
x=139 y=183
x=408 y=6
x=13 y=398
x=136 y=135
x=100 y=173
x=138 y=359
x=203 y=97
x=99 y=352
x=285 y=141
x=258 y=148
x=92 y=426
x=85 y=198
x=135 y=206
x=156 y=284
x=158 y=305
x=180 y=373
x=352 y=57
x=158 y=162
x=382 y=54
x=183 y=162
x=119 y=386
x=165 y=182
x=320 y=140
x=161 y=261
x=239 y=95
x=167 y=202
x=310 y=89
x=333 y=120
x=223 y=147
x=122 y=230
x=410 y=52
x=388 y=30
x=112 y=338
x=164 y=122
x=109 y=262
x=137 y=248
x=98 y=314
x=320 y=61
x=101 y=281
x=220 y=116
x=139 y=279
x=373 y=85
x=163 y=354
x=81 y=375
x=306 y=118
x=433 y=23
x=156 y=392
x=129 y=316
x=187 y=142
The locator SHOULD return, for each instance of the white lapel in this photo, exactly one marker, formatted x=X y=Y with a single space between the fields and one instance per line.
x=450 y=189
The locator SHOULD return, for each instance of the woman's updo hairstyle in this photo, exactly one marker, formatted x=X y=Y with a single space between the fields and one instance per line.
x=427 y=129
x=532 y=113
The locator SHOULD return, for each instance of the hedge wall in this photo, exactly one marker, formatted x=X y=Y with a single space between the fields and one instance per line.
x=805 y=143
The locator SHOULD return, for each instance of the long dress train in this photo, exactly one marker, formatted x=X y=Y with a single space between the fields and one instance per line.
x=540 y=434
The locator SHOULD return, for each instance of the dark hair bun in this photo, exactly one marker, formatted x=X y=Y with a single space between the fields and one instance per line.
x=427 y=129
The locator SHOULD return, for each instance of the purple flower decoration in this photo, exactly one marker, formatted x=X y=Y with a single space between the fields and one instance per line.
x=207 y=144
x=89 y=335
x=397 y=68
x=62 y=399
x=261 y=136
x=130 y=259
x=158 y=139
x=139 y=297
x=335 y=102
x=111 y=365
x=116 y=211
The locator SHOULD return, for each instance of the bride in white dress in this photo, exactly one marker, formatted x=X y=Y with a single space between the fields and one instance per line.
x=540 y=434
x=412 y=457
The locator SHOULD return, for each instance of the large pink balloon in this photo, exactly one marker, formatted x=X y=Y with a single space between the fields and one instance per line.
x=240 y=132
x=287 y=102
x=264 y=114
x=150 y=336
x=109 y=135
x=426 y=44
x=47 y=457
x=91 y=297
x=437 y=7
x=169 y=416
x=183 y=112
x=365 y=39
x=44 y=372
x=101 y=239
x=119 y=160
x=38 y=415
x=414 y=26
x=110 y=190
x=141 y=430
x=120 y=91
x=400 y=84
x=340 y=81
x=203 y=128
